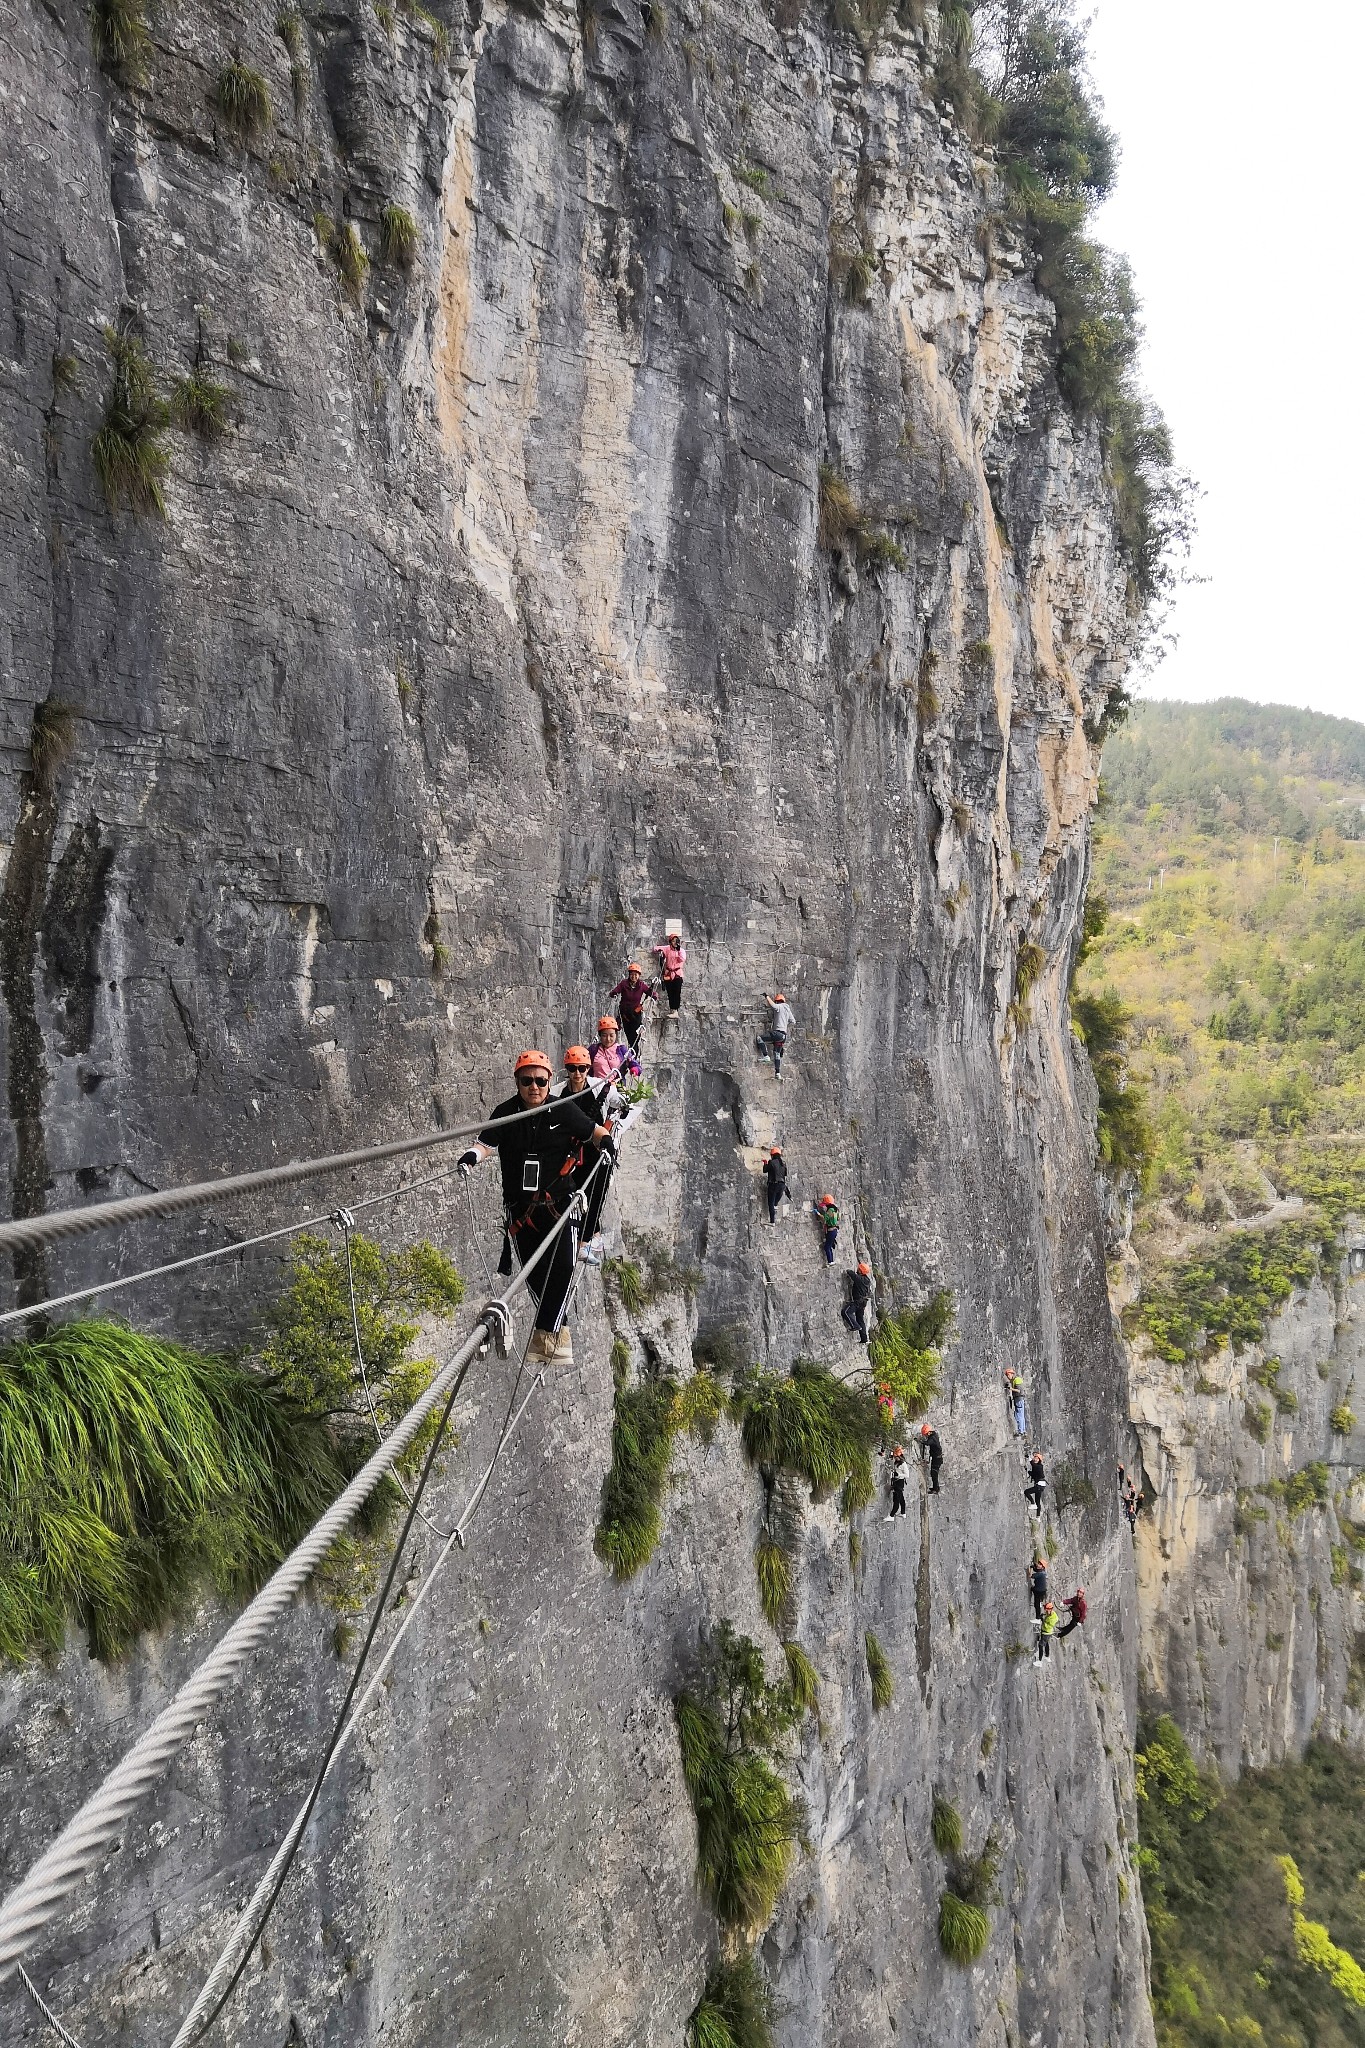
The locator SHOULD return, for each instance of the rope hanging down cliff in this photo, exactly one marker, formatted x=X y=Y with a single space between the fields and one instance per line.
x=34 y=1902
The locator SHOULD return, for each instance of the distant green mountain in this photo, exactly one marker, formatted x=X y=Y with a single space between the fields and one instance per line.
x=1228 y=918
x=1234 y=766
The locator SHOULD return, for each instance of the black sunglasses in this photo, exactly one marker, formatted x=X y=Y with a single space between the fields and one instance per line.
x=533 y=1080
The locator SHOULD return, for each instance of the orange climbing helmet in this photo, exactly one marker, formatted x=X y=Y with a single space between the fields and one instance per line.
x=899 y=1451
x=578 y=1056
x=532 y=1058
x=779 y=997
x=863 y=1266
x=606 y=1024
x=826 y=1200
x=634 y=967
x=774 y=1151
x=924 y=1429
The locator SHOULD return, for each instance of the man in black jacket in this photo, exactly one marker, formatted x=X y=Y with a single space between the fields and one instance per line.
x=775 y=1173
x=542 y=1160
x=855 y=1310
x=932 y=1451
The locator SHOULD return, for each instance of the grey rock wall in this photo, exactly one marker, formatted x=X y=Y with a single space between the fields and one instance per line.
x=496 y=630
x=1252 y=1625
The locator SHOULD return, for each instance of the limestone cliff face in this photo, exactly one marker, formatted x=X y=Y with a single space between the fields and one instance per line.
x=498 y=628
x=1251 y=1612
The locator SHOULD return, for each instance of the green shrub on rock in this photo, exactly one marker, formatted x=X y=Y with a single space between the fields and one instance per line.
x=135 y=1473
x=731 y=1726
x=963 y=1930
x=736 y=2008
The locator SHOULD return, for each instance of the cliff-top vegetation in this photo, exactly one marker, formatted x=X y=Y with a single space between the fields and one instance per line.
x=1016 y=74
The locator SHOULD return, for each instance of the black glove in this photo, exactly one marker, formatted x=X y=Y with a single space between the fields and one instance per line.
x=467 y=1159
x=607 y=1147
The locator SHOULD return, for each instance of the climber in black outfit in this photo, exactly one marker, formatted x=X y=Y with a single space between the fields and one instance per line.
x=931 y=1450
x=900 y=1473
x=542 y=1161
x=775 y=1173
x=855 y=1310
x=1037 y=1482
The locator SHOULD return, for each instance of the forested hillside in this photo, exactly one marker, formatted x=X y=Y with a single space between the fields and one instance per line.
x=1222 y=997
x=1228 y=917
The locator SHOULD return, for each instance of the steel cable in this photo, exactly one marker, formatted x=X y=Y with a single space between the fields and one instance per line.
x=223 y=1251
x=252 y=1920
x=76 y=1851
x=63 y=1223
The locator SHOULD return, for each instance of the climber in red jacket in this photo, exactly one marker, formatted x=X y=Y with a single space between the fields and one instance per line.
x=1076 y=1611
x=634 y=993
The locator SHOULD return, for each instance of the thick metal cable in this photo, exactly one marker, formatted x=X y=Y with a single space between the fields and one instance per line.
x=223 y=1251
x=46 y=2010
x=82 y=1842
x=27 y=1230
x=251 y=1920
x=228 y=1969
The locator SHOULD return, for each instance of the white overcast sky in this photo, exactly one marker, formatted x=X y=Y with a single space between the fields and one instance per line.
x=1238 y=202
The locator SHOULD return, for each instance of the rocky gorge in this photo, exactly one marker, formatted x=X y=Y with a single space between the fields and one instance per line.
x=641 y=489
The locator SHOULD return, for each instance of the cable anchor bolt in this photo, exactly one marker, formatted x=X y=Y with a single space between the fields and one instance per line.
x=496 y=1318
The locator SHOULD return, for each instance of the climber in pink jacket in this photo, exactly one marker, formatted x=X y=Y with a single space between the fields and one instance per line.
x=672 y=958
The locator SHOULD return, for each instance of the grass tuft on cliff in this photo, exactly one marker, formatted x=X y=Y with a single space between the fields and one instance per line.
x=645 y=1420
x=120 y=37
x=946 y=1827
x=242 y=97
x=199 y=406
x=735 y=2009
x=732 y=1726
x=879 y=1672
x=963 y=1930
x=137 y=1473
x=905 y=1351
x=398 y=237
x=807 y=1423
x=129 y=450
